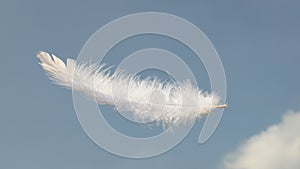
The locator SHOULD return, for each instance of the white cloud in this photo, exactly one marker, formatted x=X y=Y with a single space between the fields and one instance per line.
x=278 y=147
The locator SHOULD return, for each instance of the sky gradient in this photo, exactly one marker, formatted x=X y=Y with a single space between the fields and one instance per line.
x=257 y=42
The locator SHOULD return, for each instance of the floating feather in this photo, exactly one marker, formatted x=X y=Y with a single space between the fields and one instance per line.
x=181 y=102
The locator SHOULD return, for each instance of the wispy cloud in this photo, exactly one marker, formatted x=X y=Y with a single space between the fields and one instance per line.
x=278 y=147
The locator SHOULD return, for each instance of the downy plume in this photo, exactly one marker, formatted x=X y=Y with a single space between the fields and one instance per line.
x=181 y=102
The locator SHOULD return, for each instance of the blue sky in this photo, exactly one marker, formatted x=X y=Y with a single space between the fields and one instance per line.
x=256 y=40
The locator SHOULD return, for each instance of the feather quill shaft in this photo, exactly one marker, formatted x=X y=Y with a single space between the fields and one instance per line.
x=177 y=103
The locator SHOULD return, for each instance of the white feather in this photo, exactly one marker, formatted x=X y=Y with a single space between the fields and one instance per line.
x=182 y=102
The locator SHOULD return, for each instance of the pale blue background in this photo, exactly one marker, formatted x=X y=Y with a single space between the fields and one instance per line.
x=258 y=42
